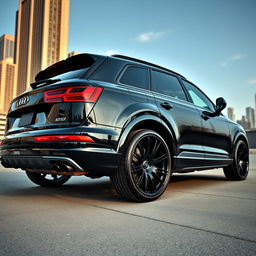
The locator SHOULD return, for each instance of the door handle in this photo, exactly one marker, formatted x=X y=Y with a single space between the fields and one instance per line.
x=166 y=105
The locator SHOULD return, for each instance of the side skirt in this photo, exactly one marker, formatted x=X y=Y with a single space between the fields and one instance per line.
x=193 y=161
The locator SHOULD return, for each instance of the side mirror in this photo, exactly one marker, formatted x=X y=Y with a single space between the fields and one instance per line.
x=220 y=105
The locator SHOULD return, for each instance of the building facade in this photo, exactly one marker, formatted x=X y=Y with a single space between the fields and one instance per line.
x=2 y=124
x=7 y=83
x=41 y=37
x=231 y=114
x=73 y=53
x=250 y=115
x=7 y=72
x=6 y=46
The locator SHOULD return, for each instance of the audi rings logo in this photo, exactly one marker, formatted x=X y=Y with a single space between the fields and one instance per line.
x=23 y=101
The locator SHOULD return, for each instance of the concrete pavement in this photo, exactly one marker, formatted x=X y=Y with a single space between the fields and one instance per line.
x=199 y=214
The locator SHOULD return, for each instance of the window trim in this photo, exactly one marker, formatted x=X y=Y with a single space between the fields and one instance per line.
x=133 y=86
x=190 y=99
x=171 y=74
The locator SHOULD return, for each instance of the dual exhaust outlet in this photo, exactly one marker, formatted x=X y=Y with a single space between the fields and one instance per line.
x=63 y=167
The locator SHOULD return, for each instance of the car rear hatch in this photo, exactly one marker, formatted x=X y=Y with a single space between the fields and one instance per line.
x=58 y=98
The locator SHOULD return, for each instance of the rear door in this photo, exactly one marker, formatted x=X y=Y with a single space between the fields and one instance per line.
x=183 y=118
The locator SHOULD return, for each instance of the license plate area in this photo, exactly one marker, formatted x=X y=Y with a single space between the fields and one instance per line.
x=26 y=119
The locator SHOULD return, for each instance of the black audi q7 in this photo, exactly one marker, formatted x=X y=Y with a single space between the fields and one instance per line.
x=122 y=117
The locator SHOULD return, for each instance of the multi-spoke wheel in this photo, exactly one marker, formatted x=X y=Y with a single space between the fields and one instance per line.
x=240 y=166
x=47 y=180
x=144 y=172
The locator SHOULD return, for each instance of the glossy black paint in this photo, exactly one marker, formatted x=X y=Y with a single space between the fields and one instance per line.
x=198 y=139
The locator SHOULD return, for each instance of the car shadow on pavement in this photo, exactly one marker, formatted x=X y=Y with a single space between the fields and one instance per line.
x=102 y=189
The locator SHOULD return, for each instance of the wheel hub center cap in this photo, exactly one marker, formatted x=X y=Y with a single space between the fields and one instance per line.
x=145 y=164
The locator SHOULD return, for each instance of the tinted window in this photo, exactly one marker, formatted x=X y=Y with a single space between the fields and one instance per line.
x=72 y=74
x=167 y=84
x=198 y=98
x=135 y=76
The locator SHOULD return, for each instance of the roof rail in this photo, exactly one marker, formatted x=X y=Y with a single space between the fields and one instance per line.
x=144 y=62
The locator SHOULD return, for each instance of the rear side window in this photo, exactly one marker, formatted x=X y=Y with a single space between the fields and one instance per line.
x=167 y=85
x=136 y=76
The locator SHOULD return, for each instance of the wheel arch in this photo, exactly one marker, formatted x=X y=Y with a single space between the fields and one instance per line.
x=150 y=122
x=240 y=136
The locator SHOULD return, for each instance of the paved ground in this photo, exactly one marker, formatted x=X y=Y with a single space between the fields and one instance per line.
x=200 y=214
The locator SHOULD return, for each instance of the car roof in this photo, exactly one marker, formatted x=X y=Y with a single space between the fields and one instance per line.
x=145 y=63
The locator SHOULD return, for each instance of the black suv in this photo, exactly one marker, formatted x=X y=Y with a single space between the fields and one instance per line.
x=121 y=117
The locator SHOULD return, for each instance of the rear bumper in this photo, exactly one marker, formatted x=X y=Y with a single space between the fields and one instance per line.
x=96 y=159
x=87 y=161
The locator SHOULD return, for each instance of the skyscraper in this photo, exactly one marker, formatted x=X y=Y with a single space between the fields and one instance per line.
x=7 y=72
x=2 y=124
x=244 y=122
x=255 y=111
x=6 y=46
x=231 y=114
x=41 y=37
x=73 y=53
x=7 y=83
x=250 y=115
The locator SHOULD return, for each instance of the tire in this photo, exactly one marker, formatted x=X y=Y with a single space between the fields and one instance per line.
x=240 y=166
x=144 y=172
x=47 y=180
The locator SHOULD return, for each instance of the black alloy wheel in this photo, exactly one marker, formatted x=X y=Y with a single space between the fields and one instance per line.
x=145 y=169
x=240 y=167
x=47 y=180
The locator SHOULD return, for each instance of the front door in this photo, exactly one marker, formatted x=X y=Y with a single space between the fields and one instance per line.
x=216 y=134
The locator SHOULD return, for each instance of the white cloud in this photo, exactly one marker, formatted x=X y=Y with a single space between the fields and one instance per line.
x=238 y=56
x=235 y=57
x=223 y=63
x=152 y=36
x=252 y=81
x=111 y=52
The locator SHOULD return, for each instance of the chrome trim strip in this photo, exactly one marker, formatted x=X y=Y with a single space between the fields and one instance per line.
x=65 y=159
x=96 y=150
x=202 y=158
x=203 y=167
x=190 y=147
x=215 y=150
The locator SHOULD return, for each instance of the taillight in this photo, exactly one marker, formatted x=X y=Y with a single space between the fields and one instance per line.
x=1 y=142
x=74 y=138
x=68 y=94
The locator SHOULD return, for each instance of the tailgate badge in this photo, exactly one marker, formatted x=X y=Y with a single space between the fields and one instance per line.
x=22 y=101
x=16 y=153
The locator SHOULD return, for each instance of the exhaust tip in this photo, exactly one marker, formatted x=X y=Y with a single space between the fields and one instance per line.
x=66 y=168
x=56 y=167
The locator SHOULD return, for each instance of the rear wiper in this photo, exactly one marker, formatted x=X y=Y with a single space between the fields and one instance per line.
x=42 y=83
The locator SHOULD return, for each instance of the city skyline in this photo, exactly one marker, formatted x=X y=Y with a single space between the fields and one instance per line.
x=210 y=43
x=41 y=37
x=8 y=72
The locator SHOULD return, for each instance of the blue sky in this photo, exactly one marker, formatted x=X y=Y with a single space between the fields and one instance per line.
x=211 y=43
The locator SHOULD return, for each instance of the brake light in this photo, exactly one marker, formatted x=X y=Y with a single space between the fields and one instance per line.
x=74 y=138
x=1 y=142
x=69 y=94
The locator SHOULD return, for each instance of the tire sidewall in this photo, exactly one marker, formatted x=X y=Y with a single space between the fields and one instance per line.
x=235 y=158
x=128 y=167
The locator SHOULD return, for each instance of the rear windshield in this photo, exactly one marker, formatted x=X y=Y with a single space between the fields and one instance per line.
x=72 y=74
x=72 y=67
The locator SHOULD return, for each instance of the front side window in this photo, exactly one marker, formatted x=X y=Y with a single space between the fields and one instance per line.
x=136 y=76
x=167 y=84
x=198 y=98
